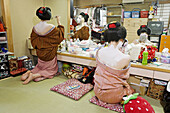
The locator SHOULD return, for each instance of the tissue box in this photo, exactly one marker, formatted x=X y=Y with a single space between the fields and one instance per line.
x=165 y=60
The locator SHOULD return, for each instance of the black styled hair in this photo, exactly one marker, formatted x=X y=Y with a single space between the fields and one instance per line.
x=115 y=32
x=144 y=29
x=85 y=16
x=44 y=13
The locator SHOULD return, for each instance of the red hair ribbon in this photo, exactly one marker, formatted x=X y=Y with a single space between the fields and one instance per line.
x=40 y=11
x=112 y=26
x=85 y=13
x=143 y=26
x=43 y=7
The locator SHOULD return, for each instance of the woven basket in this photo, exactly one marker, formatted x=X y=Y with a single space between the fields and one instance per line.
x=155 y=91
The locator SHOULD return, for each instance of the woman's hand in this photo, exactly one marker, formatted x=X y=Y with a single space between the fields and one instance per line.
x=58 y=20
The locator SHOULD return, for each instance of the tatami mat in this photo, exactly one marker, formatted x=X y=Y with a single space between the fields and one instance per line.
x=37 y=98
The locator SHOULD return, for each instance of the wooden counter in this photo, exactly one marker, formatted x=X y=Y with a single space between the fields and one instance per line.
x=151 y=71
x=158 y=72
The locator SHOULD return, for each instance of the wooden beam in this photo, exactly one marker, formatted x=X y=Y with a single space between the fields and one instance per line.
x=68 y=17
x=5 y=5
x=164 y=2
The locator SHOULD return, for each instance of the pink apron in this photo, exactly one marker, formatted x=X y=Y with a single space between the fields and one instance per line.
x=110 y=84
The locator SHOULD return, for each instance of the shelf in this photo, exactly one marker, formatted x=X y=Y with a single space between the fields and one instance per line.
x=2 y=32
x=114 y=6
x=3 y=62
x=155 y=41
x=8 y=53
x=3 y=42
x=114 y=16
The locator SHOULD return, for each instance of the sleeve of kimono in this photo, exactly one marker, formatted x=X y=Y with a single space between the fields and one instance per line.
x=76 y=34
x=33 y=40
x=82 y=34
x=85 y=33
x=58 y=35
x=61 y=34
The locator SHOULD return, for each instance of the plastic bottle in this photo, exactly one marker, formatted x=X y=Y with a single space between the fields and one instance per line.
x=145 y=57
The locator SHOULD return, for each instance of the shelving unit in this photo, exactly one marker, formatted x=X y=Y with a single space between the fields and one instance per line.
x=4 y=66
x=3 y=40
x=116 y=16
x=4 y=63
x=155 y=39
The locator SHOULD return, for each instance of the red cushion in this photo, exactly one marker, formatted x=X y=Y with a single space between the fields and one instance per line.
x=113 y=107
x=72 y=88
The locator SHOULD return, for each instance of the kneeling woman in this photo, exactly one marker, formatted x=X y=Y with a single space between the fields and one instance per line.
x=112 y=67
x=45 y=38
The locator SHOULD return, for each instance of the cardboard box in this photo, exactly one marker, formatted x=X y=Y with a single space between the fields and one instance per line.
x=133 y=80
x=137 y=85
x=139 y=89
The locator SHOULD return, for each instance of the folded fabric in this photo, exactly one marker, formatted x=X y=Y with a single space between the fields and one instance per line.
x=113 y=107
x=72 y=88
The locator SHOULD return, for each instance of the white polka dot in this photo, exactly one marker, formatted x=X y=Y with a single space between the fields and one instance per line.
x=130 y=101
x=138 y=101
x=139 y=108
x=147 y=109
x=145 y=103
x=131 y=108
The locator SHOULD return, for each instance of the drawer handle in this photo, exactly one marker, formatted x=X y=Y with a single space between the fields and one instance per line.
x=165 y=37
x=165 y=42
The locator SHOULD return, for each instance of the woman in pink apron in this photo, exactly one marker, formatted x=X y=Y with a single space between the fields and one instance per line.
x=45 y=38
x=112 y=69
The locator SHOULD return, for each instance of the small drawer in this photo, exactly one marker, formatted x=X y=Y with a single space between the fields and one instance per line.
x=141 y=72
x=154 y=39
x=87 y=62
x=66 y=58
x=162 y=75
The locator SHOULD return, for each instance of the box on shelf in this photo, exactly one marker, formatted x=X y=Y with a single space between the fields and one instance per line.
x=139 y=89
x=4 y=66
x=145 y=82
x=139 y=84
x=144 y=14
x=28 y=64
x=133 y=80
x=18 y=66
x=127 y=14
x=135 y=14
x=13 y=65
x=3 y=38
x=155 y=91
x=165 y=60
